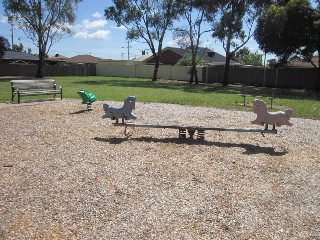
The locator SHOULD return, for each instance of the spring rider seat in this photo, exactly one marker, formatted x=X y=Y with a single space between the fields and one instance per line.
x=87 y=98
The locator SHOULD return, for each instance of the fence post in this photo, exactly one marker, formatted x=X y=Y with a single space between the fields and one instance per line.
x=277 y=75
x=264 y=76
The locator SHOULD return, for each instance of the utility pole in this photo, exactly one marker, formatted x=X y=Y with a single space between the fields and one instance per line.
x=128 y=47
x=128 y=50
x=11 y=35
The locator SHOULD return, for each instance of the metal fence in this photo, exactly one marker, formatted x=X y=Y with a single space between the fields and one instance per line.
x=30 y=70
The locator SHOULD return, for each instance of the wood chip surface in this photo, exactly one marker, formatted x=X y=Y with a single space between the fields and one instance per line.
x=66 y=173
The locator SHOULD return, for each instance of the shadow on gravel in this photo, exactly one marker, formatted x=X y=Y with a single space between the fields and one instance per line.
x=249 y=148
x=80 y=111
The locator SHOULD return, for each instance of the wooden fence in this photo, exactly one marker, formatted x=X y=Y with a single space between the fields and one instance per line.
x=300 y=78
x=282 y=78
x=30 y=70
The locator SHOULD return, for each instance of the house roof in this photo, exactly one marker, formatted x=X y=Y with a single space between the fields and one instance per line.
x=208 y=55
x=304 y=64
x=8 y=55
x=57 y=58
x=142 y=58
x=83 y=59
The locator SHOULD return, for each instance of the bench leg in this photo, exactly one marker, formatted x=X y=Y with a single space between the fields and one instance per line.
x=18 y=97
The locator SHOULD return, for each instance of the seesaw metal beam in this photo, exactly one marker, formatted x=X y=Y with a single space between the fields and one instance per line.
x=193 y=129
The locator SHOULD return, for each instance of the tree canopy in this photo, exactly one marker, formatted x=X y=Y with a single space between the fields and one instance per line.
x=188 y=36
x=229 y=29
x=146 y=19
x=187 y=61
x=291 y=28
x=245 y=56
x=20 y=48
x=279 y=29
x=44 y=22
x=4 y=46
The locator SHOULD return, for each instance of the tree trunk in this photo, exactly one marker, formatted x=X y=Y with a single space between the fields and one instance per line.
x=156 y=68
x=226 y=72
x=196 y=76
x=191 y=75
x=40 y=43
x=227 y=64
x=40 y=64
x=317 y=87
x=40 y=68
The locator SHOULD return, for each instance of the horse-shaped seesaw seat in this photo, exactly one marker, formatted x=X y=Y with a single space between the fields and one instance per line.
x=273 y=118
x=125 y=112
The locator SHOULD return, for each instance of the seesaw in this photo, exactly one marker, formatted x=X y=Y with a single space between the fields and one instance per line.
x=264 y=118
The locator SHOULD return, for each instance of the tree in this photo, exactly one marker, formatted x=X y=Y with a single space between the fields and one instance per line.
x=292 y=18
x=44 y=22
x=315 y=43
x=273 y=63
x=146 y=19
x=245 y=56
x=20 y=48
x=229 y=29
x=195 y=13
x=4 y=46
x=188 y=61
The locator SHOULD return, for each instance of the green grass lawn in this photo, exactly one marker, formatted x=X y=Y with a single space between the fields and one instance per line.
x=303 y=103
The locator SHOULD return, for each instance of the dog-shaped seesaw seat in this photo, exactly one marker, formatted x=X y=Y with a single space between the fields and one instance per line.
x=273 y=118
x=125 y=112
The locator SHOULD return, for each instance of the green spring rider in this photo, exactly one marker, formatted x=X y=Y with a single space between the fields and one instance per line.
x=87 y=98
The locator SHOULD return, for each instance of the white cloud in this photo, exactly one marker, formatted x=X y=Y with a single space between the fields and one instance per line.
x=97 y=15
x=100 y=34
x=3 y=19
x=94 y=24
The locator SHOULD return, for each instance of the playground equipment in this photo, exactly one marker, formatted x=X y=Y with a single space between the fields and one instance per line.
x=275 y=118
x=125 y=112
x=87 y=98
x=263 y=118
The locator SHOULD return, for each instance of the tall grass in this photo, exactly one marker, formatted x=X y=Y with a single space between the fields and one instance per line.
x=304 y=104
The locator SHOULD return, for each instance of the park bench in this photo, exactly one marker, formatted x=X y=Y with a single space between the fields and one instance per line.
x=34 y=87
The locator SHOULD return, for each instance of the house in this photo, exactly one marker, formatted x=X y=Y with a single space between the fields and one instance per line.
x=56 y=60
x=304 y=64
x=83 y=60
x=141 y=58
x=19 y=57
x=171 y=55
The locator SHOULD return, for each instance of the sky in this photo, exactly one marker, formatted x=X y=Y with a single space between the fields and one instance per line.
x=96 y=36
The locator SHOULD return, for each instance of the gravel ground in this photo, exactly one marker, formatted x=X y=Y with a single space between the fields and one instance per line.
x=69 y=174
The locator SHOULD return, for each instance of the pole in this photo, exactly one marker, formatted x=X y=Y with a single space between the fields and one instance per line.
x=128 y=50
x=273 y=131
x=11 y=35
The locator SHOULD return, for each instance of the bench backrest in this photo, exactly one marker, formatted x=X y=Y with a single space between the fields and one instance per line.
x=33 y=84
